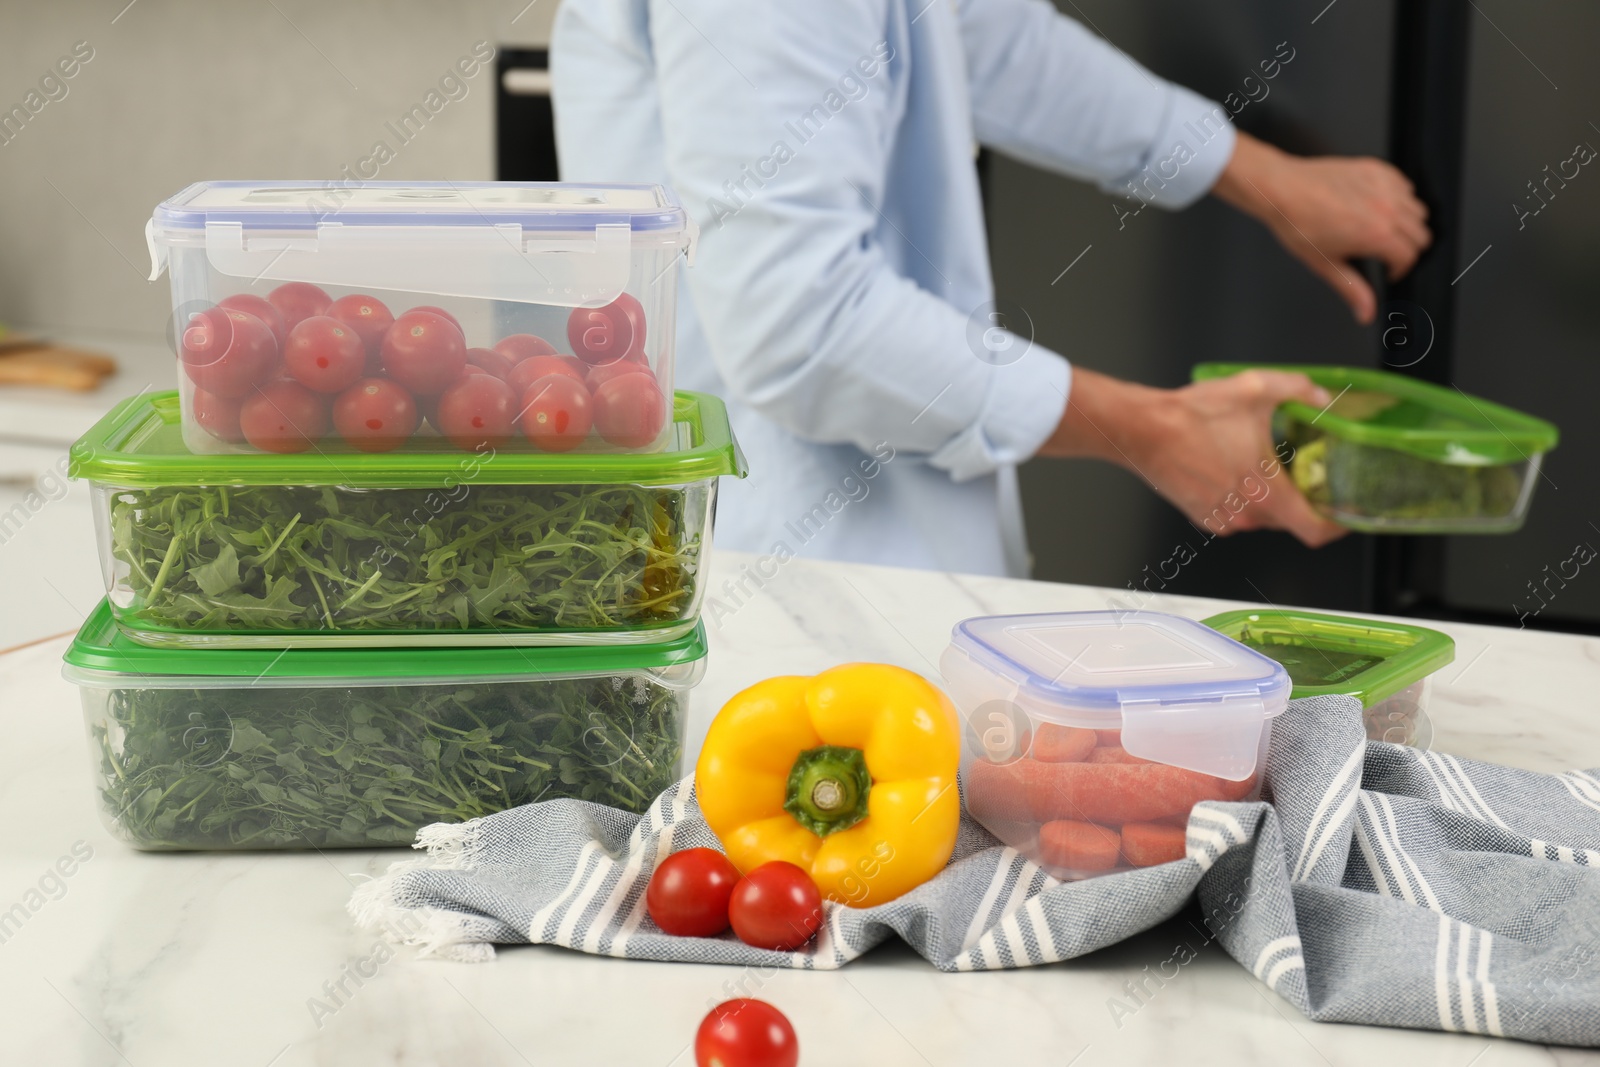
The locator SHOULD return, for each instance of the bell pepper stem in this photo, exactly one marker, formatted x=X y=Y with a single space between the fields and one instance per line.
x=828 y=788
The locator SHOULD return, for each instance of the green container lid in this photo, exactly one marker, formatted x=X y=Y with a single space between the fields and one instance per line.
x=1338 y=654
x=102 y=648
x=1388 y=410
x=139 y=444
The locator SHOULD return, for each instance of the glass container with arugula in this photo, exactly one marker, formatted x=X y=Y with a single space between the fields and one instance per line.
x=359 y=748
x=404 y=547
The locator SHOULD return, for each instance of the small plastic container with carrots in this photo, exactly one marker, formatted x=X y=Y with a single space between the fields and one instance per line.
x=1090 y=735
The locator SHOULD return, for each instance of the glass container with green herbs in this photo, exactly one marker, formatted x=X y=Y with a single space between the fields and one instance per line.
x=401 y=547
x=358 y=748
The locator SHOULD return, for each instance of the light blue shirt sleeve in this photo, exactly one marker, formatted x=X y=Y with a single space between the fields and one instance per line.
x=806 y=312
x=1046 y=90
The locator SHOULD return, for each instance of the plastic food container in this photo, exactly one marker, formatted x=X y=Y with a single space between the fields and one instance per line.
x=1393 y=454
x=1386 y=665
x=346 y=318
x=1091 y=734
x=335 y=748
x=404 y=547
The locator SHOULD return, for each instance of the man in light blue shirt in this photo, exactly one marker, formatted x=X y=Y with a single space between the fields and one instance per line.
x=841 y=292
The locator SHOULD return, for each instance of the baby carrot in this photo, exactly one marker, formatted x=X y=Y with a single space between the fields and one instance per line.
x=996 y=792
x=1146 y=844
x=1113 y=754
x=1080 y=846
x=1115 y=793
x=1107 y=793
x=1054 y=743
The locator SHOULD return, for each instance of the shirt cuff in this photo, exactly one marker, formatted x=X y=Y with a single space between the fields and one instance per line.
x=1186 y=156
x=1023 y=407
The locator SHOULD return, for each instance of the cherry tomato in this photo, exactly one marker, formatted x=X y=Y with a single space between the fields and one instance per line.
x=490 y=361
x=324 y=354
x=424 y=352
x=283 y=416
x=635 y=312
x=688 y=894
x=443 y=314
x=370 y=319
x=251 y=304
x=629 y=411
x=477 y=413
x=375 y=415
x=745 y=1033
x=520 y=346
x=556 y=413
x=217 y=415
x=600 y=335
x=533 y=368
x=227 y=352
x=598 y=376
x=776 y=906
x=298 y=300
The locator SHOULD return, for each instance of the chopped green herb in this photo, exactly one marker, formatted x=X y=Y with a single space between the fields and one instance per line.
x=1357 y=479
x=365 y=766
x=491 y=557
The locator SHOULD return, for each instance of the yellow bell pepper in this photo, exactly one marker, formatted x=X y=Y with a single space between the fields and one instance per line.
x=850 y=775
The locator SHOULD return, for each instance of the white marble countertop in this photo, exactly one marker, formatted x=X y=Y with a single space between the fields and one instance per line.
x=161 y=960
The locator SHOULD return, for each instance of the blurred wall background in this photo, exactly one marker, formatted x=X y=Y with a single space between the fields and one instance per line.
x=181 y=90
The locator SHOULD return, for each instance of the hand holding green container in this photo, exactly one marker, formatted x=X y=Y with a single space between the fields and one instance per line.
x=1394 y=454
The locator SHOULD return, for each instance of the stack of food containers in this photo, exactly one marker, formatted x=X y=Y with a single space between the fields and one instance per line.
x=333 y=555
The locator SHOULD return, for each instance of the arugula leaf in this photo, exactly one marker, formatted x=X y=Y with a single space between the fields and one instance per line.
x=366 y=766
x=324 y=558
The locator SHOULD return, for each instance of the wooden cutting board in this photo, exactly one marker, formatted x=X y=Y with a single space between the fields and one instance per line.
x=30 y=361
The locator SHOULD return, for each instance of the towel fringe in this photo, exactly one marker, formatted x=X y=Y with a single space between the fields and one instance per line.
x=431 y=931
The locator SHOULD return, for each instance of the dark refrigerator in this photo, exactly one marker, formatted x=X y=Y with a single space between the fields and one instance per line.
x=1486 y=106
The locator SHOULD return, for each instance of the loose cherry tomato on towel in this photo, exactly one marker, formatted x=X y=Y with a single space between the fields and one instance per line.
x=688 y=894
x=776 y=906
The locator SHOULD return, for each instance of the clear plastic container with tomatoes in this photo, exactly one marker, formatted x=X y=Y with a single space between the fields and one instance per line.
x=430 y=316
x=404 y=547
x=1089 y=736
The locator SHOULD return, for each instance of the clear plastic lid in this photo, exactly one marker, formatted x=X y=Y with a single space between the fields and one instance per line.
x=540 y=205
x=553 y=243
x=1180 y=692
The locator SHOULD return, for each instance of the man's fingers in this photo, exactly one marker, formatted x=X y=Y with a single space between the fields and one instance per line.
x=1273 y=387
x=1292 y=512
x=1344 y=280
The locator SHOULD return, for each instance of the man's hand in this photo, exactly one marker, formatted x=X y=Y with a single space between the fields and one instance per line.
x=1329 y=210
x=1206 y=447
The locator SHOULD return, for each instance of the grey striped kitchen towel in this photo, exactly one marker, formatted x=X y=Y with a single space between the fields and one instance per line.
x=1380 y=885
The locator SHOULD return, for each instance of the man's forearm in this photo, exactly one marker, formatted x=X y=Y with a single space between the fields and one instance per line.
x=1104 y=418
